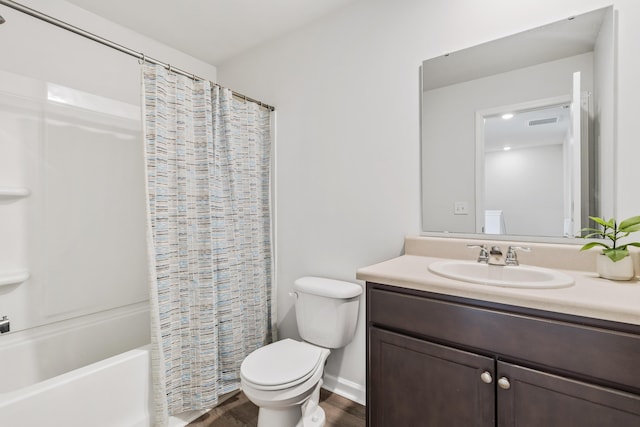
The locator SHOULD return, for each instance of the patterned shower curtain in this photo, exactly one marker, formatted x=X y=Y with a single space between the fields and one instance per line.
x=208 y=168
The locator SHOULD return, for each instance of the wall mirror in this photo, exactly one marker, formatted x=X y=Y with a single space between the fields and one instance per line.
x=518 y=133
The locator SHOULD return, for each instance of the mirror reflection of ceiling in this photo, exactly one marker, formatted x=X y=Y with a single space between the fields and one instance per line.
x=525 y=129
x=547 y=43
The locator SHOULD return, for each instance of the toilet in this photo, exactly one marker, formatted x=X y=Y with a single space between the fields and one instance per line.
x=284 y=378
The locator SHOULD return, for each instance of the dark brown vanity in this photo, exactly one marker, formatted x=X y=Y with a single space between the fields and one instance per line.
x=439 y=360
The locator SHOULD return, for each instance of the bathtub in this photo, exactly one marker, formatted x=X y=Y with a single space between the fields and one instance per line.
x=115 y=392
x=112 y=392
x=69 y=373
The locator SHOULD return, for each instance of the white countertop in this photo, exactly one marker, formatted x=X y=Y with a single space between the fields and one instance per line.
x=590 y=296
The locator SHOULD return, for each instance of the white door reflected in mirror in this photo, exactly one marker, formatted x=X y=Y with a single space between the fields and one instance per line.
x=528 y=162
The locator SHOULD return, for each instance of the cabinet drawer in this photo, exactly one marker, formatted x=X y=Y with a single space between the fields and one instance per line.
x=587 y=351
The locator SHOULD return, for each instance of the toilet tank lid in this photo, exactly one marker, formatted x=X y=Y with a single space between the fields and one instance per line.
x=327 y=287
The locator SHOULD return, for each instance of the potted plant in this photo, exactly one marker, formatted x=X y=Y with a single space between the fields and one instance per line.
x=614 y=262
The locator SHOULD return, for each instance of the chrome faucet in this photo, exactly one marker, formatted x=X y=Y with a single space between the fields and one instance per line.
x=495 y=256
x=512 y=258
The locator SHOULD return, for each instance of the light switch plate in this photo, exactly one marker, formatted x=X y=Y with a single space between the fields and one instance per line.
x=461 y=208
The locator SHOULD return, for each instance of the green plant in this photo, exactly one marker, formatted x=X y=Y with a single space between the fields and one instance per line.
x=613 y=231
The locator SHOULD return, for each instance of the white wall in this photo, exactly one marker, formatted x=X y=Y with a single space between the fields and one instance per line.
x=525 y=184
x=97 y=25
x=346 y=92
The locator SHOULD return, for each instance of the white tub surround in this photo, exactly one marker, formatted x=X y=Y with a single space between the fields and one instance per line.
x=590 y=296
x=13 y=192
x=13 y=277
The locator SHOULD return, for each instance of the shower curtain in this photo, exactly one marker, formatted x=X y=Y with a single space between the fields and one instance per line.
x=208 y=233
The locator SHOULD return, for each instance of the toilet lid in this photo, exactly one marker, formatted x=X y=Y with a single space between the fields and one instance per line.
x=286 y=362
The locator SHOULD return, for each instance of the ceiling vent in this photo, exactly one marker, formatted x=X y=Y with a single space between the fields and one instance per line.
x=547 y=121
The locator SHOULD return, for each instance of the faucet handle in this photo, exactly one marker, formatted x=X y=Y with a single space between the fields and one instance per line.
x=512 y=258
x=484 y=253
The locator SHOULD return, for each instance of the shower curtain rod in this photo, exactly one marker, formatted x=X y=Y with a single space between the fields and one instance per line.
x=141 y=56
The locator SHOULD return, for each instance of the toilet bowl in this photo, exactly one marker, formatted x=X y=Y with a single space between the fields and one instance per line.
x=280 y=378
x=284 y=378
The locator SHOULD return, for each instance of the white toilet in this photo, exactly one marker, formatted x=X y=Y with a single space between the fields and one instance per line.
x=284 y=378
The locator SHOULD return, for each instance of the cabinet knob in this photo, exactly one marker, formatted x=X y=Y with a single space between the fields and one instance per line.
x=486 y=377
x=504 y=383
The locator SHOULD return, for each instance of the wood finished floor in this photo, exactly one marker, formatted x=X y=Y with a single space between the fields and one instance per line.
x=238 y=411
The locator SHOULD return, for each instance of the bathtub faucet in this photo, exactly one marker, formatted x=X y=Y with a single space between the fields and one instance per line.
x=4 y=325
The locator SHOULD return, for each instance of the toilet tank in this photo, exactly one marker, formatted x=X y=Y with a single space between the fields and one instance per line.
x=327 y=310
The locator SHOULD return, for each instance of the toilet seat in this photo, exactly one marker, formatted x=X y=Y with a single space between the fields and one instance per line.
x=281 y=365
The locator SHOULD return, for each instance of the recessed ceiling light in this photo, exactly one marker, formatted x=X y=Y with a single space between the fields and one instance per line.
x=506 y=148
x=507 y=116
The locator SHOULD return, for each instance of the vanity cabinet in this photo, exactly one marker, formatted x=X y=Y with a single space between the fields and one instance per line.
x=437 y=361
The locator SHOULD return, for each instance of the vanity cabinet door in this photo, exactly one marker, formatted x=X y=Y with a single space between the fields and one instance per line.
x=530 y=398
x=417 y=383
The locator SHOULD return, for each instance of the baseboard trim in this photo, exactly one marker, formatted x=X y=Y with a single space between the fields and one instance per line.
x=345 y=388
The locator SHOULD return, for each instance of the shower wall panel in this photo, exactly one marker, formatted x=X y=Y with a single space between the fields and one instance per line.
x=70 y=133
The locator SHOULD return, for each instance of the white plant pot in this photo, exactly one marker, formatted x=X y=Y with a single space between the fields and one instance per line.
x=621 y=270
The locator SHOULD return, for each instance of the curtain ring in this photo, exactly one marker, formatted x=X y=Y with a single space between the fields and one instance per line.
x=169 y=67
x=142 y=60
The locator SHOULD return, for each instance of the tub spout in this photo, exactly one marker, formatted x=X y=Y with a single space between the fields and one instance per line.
x=4 y=325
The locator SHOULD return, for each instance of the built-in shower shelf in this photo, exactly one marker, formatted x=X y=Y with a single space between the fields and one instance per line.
x=11 y=192
x=13 y=277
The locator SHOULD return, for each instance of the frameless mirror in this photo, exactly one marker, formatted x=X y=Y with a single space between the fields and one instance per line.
x=518 y=133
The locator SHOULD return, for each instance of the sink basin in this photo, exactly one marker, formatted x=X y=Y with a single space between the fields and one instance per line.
x=520 y=276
